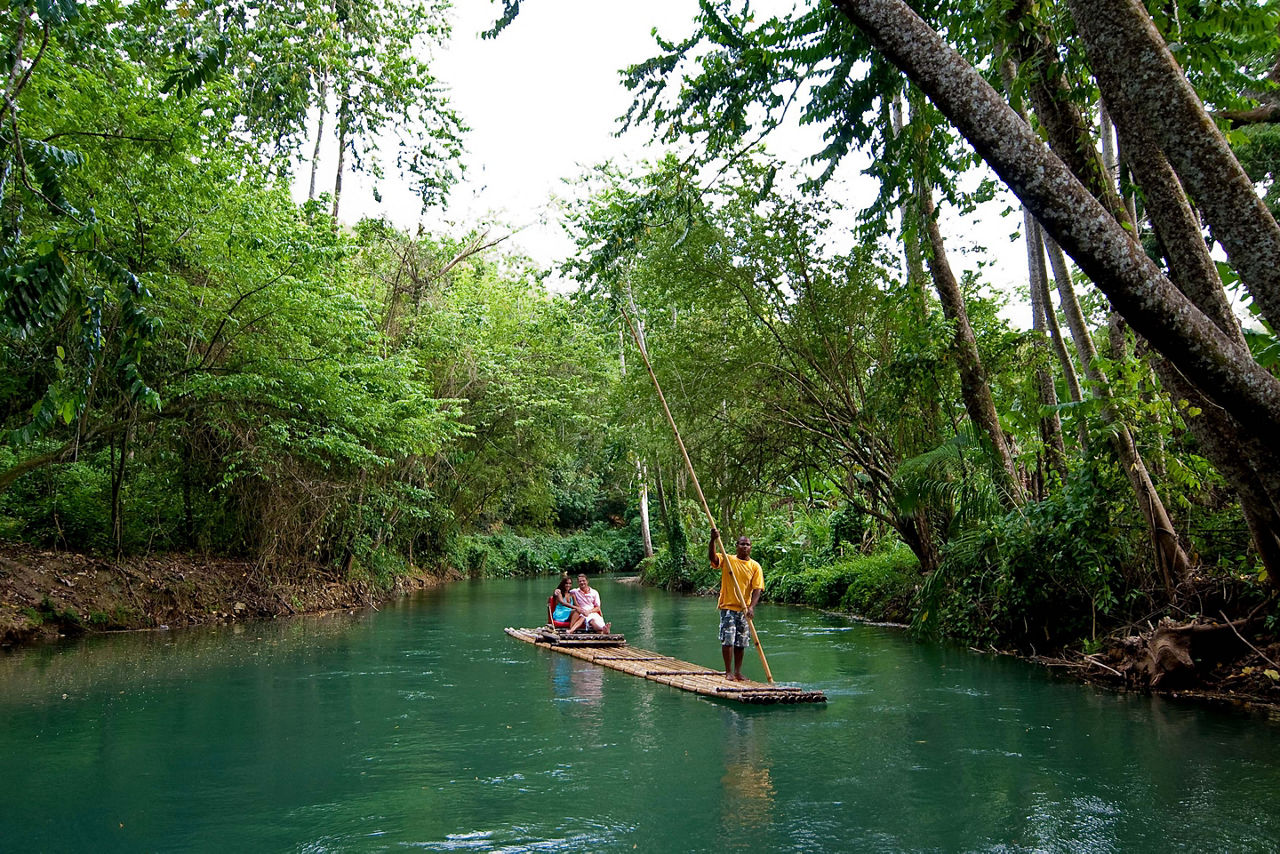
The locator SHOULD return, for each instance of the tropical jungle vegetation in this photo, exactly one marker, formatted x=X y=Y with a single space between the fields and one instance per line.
x=194 y=363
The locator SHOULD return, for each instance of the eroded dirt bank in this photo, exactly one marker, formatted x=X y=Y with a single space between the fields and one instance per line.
x=45 y=594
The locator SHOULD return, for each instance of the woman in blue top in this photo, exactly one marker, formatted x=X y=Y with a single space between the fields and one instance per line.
x=563 y=612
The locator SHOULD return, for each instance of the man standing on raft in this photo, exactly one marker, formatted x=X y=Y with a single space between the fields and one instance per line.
x=741 y=582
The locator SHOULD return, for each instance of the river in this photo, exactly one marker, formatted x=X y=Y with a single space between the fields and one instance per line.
x=424 y=727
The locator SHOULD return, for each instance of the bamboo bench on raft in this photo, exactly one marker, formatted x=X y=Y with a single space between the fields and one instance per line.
x=613 y=652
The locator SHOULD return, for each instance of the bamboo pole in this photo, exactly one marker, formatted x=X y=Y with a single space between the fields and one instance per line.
x=644 y=355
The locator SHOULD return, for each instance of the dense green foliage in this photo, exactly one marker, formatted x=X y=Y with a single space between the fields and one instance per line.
x=811 y=370
x=600 y=548
x=196 y=362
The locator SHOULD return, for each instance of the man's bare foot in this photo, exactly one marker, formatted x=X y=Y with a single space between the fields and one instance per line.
x=608 y=627
x=738 y=677
x=728 y=675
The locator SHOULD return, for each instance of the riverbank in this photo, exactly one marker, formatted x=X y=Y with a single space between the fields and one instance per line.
x=49 y=594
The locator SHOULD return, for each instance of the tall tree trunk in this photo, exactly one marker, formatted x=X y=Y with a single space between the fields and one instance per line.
x=646 y=536
x=662 y=494
x=117 y=489
x=343 y=123
x=1041 y=302
x=1070 y=306
x=916 y=533
x=1065 y=362
x=1051 y=424
x=315 y=153
x=642 y=477
x=973 y=379
x=909 y=217
x=911 y=223
x=1075 y=320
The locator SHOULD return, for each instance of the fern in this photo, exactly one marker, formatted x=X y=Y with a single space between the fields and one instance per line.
x=939 y=480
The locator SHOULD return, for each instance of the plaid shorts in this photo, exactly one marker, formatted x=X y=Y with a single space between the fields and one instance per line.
x=733 y=628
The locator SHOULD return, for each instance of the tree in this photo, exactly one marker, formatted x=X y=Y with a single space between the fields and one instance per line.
x=827 y=373
x=68 y=299
x=1063 y=123
x=1213 y=362
x=367 y=62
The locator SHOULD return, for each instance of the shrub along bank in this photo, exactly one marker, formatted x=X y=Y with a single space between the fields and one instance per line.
x=809 y=559
x=1054 y=582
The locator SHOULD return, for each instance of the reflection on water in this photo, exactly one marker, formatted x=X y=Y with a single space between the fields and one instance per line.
x=574 y=680
x=748 y=788
x=561 y=669
x=588 y=682
x=79 y=666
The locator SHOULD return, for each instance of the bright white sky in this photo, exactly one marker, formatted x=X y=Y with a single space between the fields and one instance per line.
x=542 y=102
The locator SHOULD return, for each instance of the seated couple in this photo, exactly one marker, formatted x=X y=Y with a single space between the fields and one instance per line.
x=577 y=609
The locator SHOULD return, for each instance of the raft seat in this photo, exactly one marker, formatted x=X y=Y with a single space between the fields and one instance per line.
x=559 y=637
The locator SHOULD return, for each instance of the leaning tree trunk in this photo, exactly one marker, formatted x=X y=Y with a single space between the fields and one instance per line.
x=1050 y=425
x=974 y=387
x=315 y=152
x=1210 y=360
x=1134 y=68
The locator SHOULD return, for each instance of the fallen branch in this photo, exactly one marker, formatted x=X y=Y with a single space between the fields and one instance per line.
x=1093 y=660
x=1251 y=646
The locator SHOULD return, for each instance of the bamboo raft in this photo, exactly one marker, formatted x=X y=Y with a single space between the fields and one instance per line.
x=613 y=652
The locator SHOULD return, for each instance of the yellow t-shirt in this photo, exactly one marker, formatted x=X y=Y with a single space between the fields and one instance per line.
x=749 y=575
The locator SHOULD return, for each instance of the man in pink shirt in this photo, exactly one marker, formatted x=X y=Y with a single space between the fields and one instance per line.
x=587 y=601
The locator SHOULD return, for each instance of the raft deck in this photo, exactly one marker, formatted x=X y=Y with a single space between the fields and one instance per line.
x=613 y=652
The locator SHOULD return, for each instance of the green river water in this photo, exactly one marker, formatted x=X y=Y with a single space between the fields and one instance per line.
x=424 y=727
